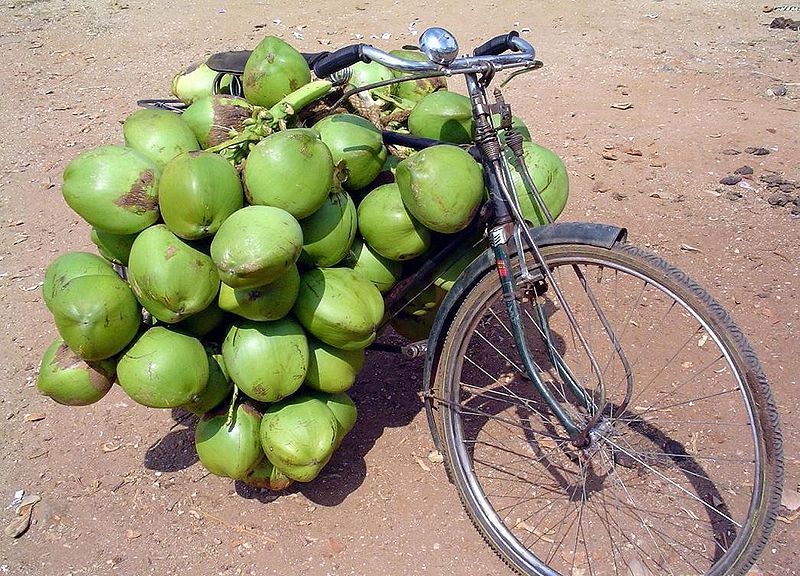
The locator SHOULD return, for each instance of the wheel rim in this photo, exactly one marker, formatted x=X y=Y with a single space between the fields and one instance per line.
x=656 y=501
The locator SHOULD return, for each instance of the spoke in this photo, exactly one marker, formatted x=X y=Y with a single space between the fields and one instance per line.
x=641 y=520
x=670 y=481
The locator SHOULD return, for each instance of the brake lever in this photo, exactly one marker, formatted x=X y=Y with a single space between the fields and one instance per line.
x=535 y=66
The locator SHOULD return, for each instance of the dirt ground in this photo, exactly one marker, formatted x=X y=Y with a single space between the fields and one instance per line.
x=122 y=491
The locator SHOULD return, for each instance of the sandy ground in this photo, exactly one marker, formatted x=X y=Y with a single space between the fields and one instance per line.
x=697 y=75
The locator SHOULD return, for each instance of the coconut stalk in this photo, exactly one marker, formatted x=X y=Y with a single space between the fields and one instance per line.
x=264 y=122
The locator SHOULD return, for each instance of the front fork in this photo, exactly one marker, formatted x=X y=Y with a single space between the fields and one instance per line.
x=510 y=223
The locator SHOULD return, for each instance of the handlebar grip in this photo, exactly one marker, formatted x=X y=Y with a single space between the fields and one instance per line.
x=339 y=60
x=497 y=45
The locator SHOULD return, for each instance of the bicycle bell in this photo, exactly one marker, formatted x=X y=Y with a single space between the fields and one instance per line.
x=438 y=45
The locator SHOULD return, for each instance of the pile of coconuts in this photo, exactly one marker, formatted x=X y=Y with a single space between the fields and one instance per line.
x=244 y=254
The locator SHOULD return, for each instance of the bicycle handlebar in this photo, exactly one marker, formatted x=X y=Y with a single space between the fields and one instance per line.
x=488 y=54
x=498 y=45
x=339 y=60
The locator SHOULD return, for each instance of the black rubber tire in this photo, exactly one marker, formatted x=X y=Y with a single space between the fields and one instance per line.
x=452 y=411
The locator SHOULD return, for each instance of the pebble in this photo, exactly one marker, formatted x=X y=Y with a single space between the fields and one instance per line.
x=779 y=199
x=756 y=151
x=730 y=180
x=733 y=195
x=731 y=152
x=743 y=171
x=776 y=91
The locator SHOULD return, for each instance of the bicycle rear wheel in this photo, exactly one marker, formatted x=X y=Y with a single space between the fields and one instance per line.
x=684 y=469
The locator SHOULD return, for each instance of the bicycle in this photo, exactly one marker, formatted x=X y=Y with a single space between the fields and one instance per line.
x=597 y=410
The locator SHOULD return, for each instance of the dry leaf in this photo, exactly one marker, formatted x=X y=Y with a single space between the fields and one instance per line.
x=34 y=416
x=689 y=248
x=622 y=105
x=110 y=447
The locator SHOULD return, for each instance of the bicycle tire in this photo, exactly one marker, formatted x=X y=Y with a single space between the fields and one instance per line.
x=702 y=519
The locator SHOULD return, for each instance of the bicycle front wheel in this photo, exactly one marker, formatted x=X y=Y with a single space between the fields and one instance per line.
x=683 y=471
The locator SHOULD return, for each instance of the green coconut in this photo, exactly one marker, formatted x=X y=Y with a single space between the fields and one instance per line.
x=197 y=192
x=445 y=116
x=273 y=70
x=332 y=369
x=412 y=91
x=442 y=187
x=357 y=143
x=363 y=73
x=113 y=247
x=266 y=360
x=516 y=123
x=388 y=227
x=550 y=177
x=113 y=188
x=415 y=320
x=171 y=279
x=217 y=388
x=256 y=245
x=270 y=302
x=230 y=450
x=158 y=134
x=266 y=475
x=196 y=82
x=164 y=369
x=382 y=272
x=413 y=328
x=339 y=307
x=329 y=232
x=291 y=169
x=214 y=119
x=299 y=436
x=343 y=409
x=68 y=267
x=202 y=323
x=68 y=379
x=97 y=316
x=455 y=264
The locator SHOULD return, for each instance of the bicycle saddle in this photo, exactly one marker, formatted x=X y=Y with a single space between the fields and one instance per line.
x=233 y=62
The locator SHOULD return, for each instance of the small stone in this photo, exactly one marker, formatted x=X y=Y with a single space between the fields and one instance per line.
x=730 y=180
x=787 y=187
x=733 y=195
x=743 y=171
x=756 y=151
x=795 y=210
x=776 y=91
x=619 y=196
x=731 y=152
x=779 y=199
x=772 y=179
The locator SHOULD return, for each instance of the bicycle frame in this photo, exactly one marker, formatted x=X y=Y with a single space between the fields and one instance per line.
x=500 y=217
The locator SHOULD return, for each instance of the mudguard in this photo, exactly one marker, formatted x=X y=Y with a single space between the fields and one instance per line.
x=584 y=233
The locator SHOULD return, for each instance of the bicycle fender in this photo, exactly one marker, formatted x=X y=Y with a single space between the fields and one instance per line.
x=583 y=233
